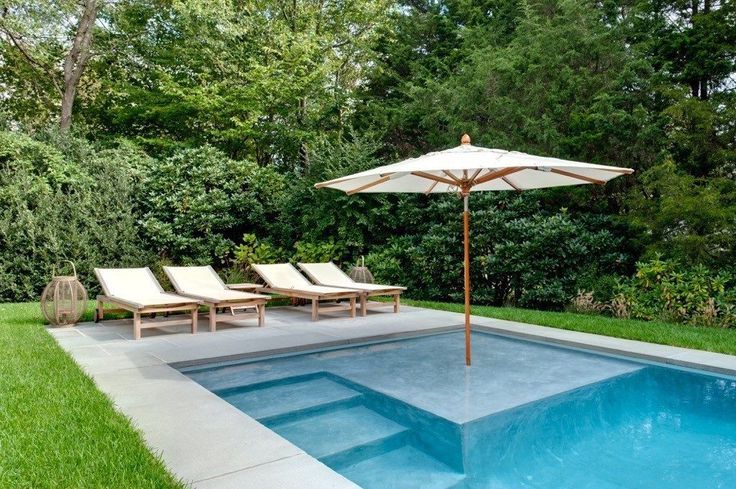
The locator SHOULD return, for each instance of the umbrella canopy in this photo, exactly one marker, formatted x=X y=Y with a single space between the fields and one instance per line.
x=467 y=168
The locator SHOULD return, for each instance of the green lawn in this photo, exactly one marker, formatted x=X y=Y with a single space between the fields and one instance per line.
x=56 y=429
x=701 y=338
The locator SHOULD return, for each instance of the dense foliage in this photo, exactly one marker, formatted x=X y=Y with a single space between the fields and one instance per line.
x=666 y=290
x=64 y=200
x=201 y=127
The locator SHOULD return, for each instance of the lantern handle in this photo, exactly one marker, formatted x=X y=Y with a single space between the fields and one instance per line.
x=74 y=269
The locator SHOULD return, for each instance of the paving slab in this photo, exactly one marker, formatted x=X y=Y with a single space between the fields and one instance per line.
x=298 y=472
x=201 y=439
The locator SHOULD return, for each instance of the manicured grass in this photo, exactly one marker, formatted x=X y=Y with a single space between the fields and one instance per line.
x=701 y=338
x=56 y=429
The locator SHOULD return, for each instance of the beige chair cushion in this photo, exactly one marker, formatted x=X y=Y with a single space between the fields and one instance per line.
x=285 y=276
x=282 y=276
x=204 y=283
x=331 y=275
x=136 y=286
x=327 y=274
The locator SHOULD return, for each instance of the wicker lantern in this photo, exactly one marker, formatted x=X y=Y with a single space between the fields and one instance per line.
x=361 y=274
x=64 y=299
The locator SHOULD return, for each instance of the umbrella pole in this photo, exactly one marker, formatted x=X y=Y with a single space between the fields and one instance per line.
x=466 y=245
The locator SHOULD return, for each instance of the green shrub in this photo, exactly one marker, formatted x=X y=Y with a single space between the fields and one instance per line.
x=664 y=289
x=251 y=251
x=64 y=202
x=519 y=254
x=197 y=203
x=395 y=263
x=311 y=215
x=306 y=252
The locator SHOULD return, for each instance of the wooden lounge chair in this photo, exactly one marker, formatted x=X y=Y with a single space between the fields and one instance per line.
x=137 y=290
x=284 y=279
x=330 y=274
x=204 y=284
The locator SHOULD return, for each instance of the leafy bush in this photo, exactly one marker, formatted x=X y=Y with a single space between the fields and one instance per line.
x=313 y=215
x=195 y=204
x=251 y=251
x=306 y=252
x=691 y=220
x=395 y=263
x=664 y=289
x=519 y=254
x=64 y=201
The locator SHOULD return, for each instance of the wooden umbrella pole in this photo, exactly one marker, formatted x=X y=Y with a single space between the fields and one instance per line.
x=466 y=231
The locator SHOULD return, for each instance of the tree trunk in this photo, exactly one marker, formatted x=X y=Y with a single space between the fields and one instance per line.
x=67 y=103
x=76 y=61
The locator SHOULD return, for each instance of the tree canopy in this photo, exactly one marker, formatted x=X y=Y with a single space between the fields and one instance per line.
x=231 y=110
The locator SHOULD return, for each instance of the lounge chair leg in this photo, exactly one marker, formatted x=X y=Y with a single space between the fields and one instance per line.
x=315 y=309
x=261 y=310
x=364 y=305
x=397 y=299
x=195 y=311
x=137 y=325
x=352 y=307
x=100 y=311
x=213 y=317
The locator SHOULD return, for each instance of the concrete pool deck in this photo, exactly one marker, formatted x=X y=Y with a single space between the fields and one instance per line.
x=209 y=443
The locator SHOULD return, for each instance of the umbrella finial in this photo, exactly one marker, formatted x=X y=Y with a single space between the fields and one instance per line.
x=465 y=139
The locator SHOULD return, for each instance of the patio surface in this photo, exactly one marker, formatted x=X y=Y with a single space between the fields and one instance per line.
x=209 y=443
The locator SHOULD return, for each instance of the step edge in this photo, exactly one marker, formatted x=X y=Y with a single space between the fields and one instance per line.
x=371 y=449
x=275 y=420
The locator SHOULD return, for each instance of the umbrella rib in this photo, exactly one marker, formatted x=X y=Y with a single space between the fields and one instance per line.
x=370 y=184
x=577 y=177
x=429 y=176
x=497 y=174
x=449 y=174
x=511 y=184
x=431 y=187
x=477 y=172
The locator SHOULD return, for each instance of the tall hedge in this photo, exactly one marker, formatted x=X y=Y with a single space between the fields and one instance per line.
x=64 y=201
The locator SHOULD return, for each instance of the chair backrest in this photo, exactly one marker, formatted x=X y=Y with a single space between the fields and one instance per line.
x=128 y=282
x=327 y=274
x=281 y=276
x=194 y=279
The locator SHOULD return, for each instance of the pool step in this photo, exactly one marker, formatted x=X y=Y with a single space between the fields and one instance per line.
x=306 y=412
x=332 y=422
x=271 y=401
x=403 y=464
x=338 y=432
x=365 y=451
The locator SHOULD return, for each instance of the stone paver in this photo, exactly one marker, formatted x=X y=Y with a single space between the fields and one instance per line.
x=211 y=444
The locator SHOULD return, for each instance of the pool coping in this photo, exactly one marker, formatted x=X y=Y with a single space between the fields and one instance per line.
x=208 y=443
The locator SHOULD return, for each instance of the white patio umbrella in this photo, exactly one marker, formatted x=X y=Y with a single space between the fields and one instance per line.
x=467 y=168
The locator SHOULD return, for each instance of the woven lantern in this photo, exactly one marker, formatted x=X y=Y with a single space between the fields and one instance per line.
x=361 y=274
x=64 y=299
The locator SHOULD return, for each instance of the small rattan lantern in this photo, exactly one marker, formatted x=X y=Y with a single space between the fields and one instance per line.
x=361 y=274
x=64 y=299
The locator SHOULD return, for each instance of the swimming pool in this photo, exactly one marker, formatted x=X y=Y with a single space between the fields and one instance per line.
x=408 y=413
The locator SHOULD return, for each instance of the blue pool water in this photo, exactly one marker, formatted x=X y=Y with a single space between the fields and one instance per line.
x=408 y=414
